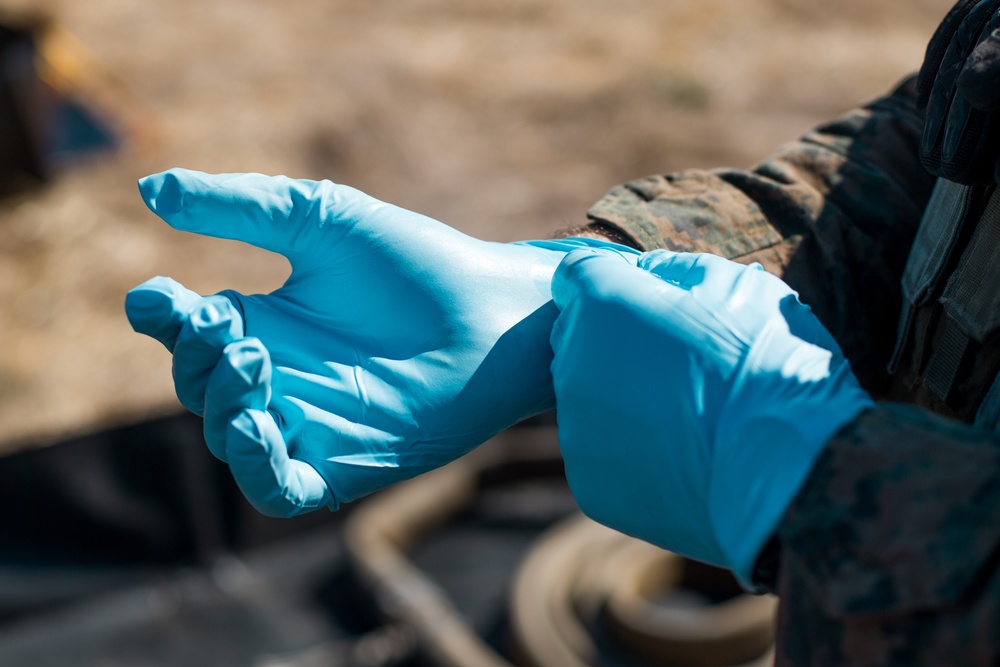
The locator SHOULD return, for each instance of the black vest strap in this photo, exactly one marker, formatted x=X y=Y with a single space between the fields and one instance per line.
x=971 y=301
x=936 y=239
x=972 y=295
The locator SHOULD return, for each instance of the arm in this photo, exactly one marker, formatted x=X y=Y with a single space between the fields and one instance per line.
x=833 y=214
x=702 y=408
x=888 y=553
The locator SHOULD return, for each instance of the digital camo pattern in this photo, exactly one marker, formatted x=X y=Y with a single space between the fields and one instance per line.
x=889 y=551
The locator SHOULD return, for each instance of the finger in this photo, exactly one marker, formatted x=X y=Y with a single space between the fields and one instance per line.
x=978 y=79
x=598 y=291
x=938 y=47
x=210 y=327
x=280 y=214
x=703 y=274
x=571 y=243
x=682 y=269
x=953 y=144
x=273 y=483
x=240 y=381
x=739 y=296
x=159 y=307
x=746 y=292
x=590 y=270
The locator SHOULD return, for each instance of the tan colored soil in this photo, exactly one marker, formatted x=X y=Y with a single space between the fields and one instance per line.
x=504 y=118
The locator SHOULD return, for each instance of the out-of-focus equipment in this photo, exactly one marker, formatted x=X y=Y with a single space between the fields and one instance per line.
x=133 y=547
x=583 y=595
x=396 y=345
x=694 y=395
x=959 y=90
x=58 y=104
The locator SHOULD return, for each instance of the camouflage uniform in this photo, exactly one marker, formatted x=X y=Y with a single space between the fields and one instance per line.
x=888 y=554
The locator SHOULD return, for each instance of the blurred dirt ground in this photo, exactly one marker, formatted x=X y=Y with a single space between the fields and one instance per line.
x=503 y=118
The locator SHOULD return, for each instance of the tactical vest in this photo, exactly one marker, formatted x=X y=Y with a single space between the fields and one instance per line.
x=947 y=353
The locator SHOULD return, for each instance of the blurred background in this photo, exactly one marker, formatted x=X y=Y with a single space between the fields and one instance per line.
x=506 y=119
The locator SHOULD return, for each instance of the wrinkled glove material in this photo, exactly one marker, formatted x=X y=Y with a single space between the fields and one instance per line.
x=959 y=90
x=693 y=396
x=396 y=345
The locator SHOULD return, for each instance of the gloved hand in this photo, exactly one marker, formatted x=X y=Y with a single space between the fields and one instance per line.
x=693 y=395
x=396 y=345
x=959 y=88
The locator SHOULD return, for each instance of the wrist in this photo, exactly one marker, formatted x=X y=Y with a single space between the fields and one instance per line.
x=598 y=230
x=761 y=464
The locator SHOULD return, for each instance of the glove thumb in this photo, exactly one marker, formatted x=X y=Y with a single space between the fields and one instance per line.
x=295 y=218
x=590 y=269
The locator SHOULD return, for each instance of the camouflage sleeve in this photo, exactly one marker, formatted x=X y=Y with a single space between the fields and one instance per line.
x=833 y=213
x=889 y=554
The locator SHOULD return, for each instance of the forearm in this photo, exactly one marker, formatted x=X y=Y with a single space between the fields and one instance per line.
x=887 y=554
x=833 y=213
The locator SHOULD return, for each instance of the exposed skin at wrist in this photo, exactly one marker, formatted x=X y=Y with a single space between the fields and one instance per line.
x=598 y=230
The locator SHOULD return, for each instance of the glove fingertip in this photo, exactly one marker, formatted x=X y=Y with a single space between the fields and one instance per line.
x=680 y=269
x=163 y=192
x=250 y=360
x=937 y=49
x=577 y=271
x=977 y=81
x=159 y=307
x=273 y=483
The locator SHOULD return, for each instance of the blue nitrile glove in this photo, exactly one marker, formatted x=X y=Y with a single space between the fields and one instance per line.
x=693 y=395
x=396 y=345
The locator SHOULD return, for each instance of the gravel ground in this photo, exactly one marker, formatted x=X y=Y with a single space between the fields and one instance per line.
x=503 y=118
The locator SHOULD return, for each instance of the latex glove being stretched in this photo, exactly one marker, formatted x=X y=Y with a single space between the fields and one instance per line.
x=693 y=396
x=396 y=345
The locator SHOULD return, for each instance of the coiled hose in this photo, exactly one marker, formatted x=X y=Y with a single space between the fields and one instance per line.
x=580 y=580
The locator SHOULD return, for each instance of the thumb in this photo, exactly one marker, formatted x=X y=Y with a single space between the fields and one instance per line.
x=980 y=75
x=287 y=216
x=590 y=270
x=938 y=47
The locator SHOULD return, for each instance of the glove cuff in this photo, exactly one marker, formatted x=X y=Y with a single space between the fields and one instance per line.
x=571 y=243
x=746 y=508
